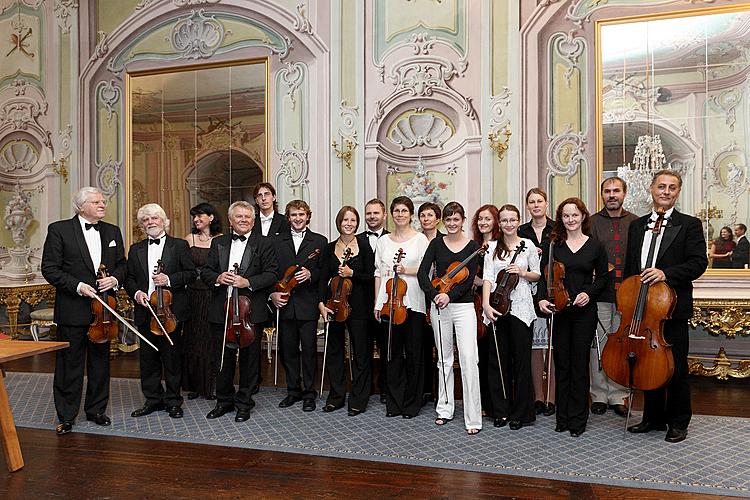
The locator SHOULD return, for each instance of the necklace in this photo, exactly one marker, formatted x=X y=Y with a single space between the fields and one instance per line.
x=207 y=238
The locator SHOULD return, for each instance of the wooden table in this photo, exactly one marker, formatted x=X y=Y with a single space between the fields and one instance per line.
x=11 y=350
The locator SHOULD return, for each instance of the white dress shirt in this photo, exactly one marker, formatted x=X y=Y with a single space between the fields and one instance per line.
x=648 y=236
x=373 y=238
x=236 y=251
x=414 y=250
x=297 y=239
x=265 y=222
x=154 y=255
x=521 y=298
x=93 y=241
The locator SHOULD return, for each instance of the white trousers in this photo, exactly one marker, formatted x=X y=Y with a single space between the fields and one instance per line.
x=604 y=390
x=461 y=319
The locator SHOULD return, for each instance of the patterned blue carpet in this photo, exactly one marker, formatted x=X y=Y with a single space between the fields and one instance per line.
x=714 y=459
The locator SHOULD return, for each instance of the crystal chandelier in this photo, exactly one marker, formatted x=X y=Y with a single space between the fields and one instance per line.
x=647 y=160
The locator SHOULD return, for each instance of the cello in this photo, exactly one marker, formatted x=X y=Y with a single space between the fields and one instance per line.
x=160 y=301
x=340 y=289
x=505 y=284
x=104 y=326
x=636 y=355
x=394 y=308
x=239 y=332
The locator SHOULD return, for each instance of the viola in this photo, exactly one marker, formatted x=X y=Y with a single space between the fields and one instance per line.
x=104 y=326
x=456 y=273
x=340 y=289
x=636 y=355
x=394 y=309
x=288 y=281
x=505 y=283
x=161 y=301
x=554 y=273
x=239 y=331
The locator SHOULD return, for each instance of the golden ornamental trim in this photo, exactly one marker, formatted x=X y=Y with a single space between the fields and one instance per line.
x=500 y=146
x=727 y=317
x=722 y=368
x=345 y=153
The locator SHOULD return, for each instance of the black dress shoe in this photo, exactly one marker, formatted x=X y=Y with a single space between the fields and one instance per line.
x=539 y=407
x=500 y=422
x=353 y=412
x=99 y=419
x=331 y=407
x=192 y=395
x=407 y=416
x=383 y=398
x=646 y=426
x=308 y=405
x=219 y=411
x=561 y=428
x=147 y=409
x=63 y=428
x=598 y=408
x=514 y=425
x=390 y=414
x=550 y=410
x=242 y=415
x=175 y=411
x=576 y=433
x=289 y=401
x=675 y=435
x=620 y=410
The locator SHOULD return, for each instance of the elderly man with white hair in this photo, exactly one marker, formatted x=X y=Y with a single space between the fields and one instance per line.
x=73 y=252
x=159 y=261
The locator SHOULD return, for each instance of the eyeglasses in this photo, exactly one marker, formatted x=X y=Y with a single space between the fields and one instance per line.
x=508 y=222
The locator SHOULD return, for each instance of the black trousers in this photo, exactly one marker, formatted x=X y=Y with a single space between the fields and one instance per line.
x=361 y=353
x=406 y=367
x=166 y=360
x=375 y=334
x=69 y=364
x=573 y=330
x=225 y=392
x=292 y=333
x=671 y=404
x=514 y=339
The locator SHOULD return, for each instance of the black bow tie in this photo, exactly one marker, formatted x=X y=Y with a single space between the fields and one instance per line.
x=152 y=241
x=371 y=233
x=88 y=226
x=240 y=237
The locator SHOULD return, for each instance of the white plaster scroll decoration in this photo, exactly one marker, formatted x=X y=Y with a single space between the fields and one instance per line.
x=349 y=116
x=681 y=163
x=183 y=3
x=24 y=113
x=420 y=128
x=108 y=176
x=64 y=143
x=101 y=48
x=498 y=104
x=109 y=94
x=301 y=21
x=569 y=47
x=142 y=4
x=19 y=86
x=7 y=4
x=684 y=132
x=197 y=36
x=420 y=44
x=294 y=167
x=726 y=102
x=64 y=10
x=728 y=172
x=292 y=74
x=18 y=155
x=565 y=152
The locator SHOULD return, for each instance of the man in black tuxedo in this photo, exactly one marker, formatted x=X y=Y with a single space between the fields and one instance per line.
x=268 y=220
x=680 y=258
x=741 y=252
x=177 y=271
x=375 y=220
x=299 y=313
x=258 y=271
x=73 y=251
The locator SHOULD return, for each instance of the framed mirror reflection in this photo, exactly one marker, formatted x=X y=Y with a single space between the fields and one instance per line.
x=195 y=134
x=673 y=91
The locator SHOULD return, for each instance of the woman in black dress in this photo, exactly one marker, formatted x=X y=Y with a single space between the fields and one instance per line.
x=586 y=276
x=360 y=269
x=198 y=351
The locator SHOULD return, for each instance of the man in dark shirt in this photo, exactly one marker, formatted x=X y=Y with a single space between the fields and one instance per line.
x=740 y=254
x=609 y=226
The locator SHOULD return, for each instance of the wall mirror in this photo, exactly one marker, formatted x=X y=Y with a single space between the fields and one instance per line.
x=195 y=134
x=674 y=92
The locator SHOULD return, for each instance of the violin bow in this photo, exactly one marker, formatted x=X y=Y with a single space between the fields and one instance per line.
x=124 y=322
x=224 y=332
x=442 y=359
x=325 y=351
x=499 y=365
x=151 y=310
x=276 y=357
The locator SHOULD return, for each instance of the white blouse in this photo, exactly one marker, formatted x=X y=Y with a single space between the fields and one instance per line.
x=522 y=301
x=385 y=251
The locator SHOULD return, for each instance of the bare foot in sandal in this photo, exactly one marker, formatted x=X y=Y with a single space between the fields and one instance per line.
x=442 y=421
x=472 y=432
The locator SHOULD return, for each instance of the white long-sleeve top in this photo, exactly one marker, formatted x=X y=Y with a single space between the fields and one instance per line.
x=522 y=302
x=385 y=251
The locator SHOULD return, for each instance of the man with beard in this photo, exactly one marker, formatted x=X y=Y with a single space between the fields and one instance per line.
x=609 y=226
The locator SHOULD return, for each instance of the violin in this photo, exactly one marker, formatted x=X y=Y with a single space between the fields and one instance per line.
x=340 y=289
x=104 y=326
x=160 y=301
x=288 y=281
x=505 y=283
x=394 y=308
x=239 y=331
x=481 y=327
x=554 y=273
x=636 y=355
x=456 y=272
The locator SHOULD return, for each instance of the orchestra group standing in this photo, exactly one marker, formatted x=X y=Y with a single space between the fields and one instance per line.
x=529 y=305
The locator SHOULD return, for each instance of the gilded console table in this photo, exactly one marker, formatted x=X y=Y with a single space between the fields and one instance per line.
x=12 y=297
x=721 y=317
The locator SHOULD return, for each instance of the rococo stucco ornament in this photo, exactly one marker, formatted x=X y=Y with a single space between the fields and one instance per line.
x=197 y=36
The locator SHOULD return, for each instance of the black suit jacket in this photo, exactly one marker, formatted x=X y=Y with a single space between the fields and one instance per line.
x=258 y=266
x=279 y=224
x=177 y=265
x=741 y=253
x=66 y=262
x=303 y=302
x=682 y=256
